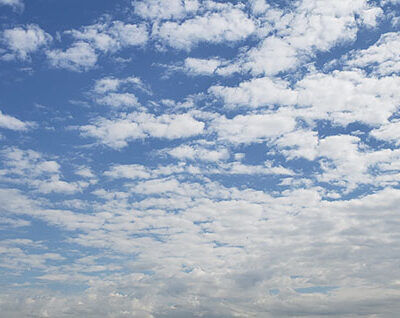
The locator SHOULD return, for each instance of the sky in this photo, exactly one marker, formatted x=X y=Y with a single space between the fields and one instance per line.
x=199 y=158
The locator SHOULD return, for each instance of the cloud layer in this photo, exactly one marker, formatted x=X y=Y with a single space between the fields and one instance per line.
x=200 y=159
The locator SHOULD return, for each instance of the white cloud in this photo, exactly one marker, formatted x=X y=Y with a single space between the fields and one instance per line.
x=253 y=128
x=186 y=152
x=113 y=133
x=85 y=172
x=31 y=168
x=299 y=143
x=259 y=6
x=195 y=66
x=119 y=100
x=23 y=41
x=16 y=4
x=383 y=57
x=132 y=171
x=345 y=97
x=106 y=84
x=257 y=93
x=274 y=55
x=79 y=57
x=112 y=84
x=112 y=36
x=301 y=32
x=59 y=186
x=13 y=123
x=118 y=132
x=237 y=168
x=159 y=9
x=389 y=132
x=226 y=26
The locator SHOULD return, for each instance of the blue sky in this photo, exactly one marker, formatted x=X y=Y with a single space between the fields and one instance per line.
x=191 y=158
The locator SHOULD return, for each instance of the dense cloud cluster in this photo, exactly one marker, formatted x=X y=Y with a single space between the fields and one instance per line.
x=200 y=158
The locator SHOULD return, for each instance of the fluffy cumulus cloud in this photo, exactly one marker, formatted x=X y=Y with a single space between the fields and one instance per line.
x=247 y=148
x=215 y=27
x=112 y=36
x=159 y=9
x=382 y=58
x=254 y=127
x=22 y=41
x=79 y=57
x=117 y=132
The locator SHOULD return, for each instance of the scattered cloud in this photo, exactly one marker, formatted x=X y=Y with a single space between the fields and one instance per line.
x=217 y=27
x=116 y=133
x=23 y=41
x=79 y=57
x=10 y=122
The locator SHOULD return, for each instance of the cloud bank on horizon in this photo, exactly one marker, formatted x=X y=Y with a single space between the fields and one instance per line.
x=200 y=158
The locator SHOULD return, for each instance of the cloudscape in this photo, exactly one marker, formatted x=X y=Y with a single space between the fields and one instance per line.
x=199 y=158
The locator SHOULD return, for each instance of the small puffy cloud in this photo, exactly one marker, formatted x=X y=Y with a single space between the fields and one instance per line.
x=257 y=93
x=54 y=185
x=31 y=168
x=118 y=100
x=112 y=84
x=299 y=143
x=253 y=128
x=106 y=84
x=113 y=133
x=217 y=27
x=116 y=133
x=13 y=123
x=171 y=126
x=25 y=40
x=132 y=171
x=79 y=57
x=186 y=152
x=112 y=36
x=274 y=55
x=259 y=6
x=85 y=172
x=159 y=9
x=195 y=66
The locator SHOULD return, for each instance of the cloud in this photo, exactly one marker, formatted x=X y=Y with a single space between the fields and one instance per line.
x=195 y=66
x=382 y=57
x=10 y=122
x=277 y=187
x=119 y=100
x=15 y=4
x=347 y=96
x=132 y=171
x=158 y=9
x=389 y=132
x=79 y=57
x=118 y=132
x=28 y=167
x=186 y=152
x=25 y=40
x=257 y=93
x=111 y=37
x=217 y=27
x=253 y=128
x=112 y=84
x=299 y=33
